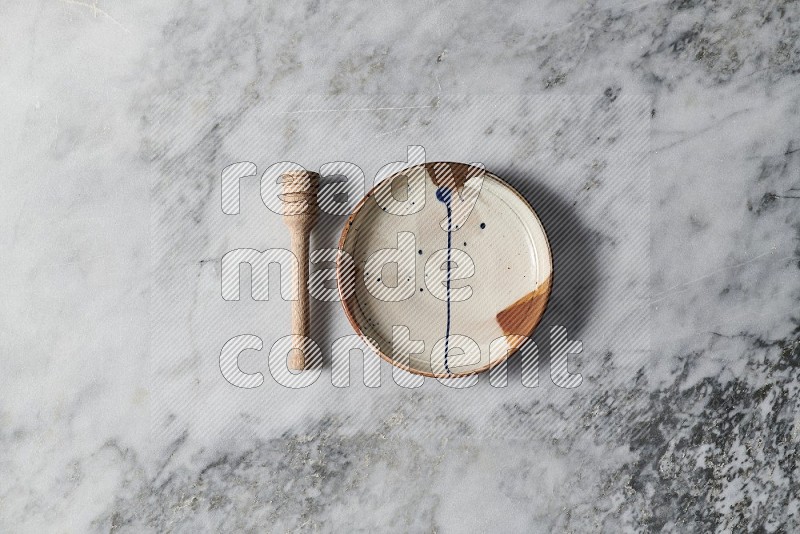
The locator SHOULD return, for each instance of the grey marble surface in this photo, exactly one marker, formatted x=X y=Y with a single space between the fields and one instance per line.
x=117 y=121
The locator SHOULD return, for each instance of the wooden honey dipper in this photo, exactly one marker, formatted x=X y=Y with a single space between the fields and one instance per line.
x=300 y=204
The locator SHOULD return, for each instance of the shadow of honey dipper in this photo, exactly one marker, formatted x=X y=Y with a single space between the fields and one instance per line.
x=300 y=190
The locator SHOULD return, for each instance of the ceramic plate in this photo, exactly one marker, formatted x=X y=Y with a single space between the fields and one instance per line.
x=444 y=269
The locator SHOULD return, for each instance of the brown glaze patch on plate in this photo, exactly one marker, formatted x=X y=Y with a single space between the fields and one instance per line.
x=522 y=317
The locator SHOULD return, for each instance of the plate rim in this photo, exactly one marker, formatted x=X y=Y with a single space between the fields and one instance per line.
x=356 y=326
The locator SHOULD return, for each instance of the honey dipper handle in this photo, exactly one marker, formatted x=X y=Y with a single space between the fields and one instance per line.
x=300 y=194
x=301 y=324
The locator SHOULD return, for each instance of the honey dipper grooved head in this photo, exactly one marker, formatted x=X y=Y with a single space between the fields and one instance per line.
x=300 y=190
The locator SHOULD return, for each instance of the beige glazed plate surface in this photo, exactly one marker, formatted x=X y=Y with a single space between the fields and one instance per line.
x=437 y=302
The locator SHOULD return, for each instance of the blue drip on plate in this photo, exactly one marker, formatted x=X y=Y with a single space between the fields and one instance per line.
x=444 y=196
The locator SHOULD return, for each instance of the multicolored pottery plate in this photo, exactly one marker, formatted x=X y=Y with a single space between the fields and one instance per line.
x=444 y=269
